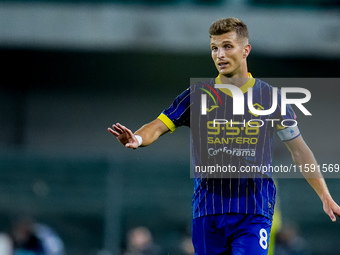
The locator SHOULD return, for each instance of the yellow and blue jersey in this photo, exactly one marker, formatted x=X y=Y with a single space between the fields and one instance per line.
x=239 y=141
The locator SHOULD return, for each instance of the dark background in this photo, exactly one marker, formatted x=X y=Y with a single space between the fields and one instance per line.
x=59 y=165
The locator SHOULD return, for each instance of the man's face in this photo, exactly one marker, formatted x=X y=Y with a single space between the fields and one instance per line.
x=229 y=54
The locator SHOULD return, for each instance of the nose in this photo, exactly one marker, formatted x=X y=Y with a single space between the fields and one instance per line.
x=220 y=53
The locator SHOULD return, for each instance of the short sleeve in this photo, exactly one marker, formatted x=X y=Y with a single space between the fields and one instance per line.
x=178 y=114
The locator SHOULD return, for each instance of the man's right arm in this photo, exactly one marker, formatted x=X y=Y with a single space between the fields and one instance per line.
x=149 y=133
x=178 y=114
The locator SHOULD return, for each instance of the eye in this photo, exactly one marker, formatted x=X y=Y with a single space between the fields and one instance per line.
x=214 y=48
x=228 y=46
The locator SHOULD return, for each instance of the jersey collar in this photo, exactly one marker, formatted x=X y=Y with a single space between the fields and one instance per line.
x=249 y=84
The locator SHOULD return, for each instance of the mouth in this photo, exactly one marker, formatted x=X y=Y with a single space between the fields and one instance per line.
x=223 y=65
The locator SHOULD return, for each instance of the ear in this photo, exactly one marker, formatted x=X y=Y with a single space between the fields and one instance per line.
x=246 y=50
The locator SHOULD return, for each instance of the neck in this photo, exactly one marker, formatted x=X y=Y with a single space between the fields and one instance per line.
x=237 y=80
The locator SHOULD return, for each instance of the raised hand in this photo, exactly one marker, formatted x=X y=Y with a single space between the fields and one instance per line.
x=124 y=136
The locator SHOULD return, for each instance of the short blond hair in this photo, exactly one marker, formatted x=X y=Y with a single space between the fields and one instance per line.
x=223 y=26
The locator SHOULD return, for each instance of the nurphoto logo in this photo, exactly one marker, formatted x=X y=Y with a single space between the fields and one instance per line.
x=238 y=100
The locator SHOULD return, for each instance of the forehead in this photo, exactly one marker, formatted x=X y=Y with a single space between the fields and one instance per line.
x=227 y=37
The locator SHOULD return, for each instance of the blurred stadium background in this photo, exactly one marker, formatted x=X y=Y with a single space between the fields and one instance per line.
x=71 y=68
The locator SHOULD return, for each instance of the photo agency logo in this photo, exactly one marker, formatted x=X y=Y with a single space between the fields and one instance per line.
x=234 y=125
x=255 y=108
x=204 y=108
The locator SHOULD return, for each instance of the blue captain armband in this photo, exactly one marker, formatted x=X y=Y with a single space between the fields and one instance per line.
x=289 y=133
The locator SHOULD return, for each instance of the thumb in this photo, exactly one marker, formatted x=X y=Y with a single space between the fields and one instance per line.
x=131 y=145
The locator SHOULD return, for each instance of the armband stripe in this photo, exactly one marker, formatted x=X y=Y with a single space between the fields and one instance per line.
x=168 y=122
x=289 y=133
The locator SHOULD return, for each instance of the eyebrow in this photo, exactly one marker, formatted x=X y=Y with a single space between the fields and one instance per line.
x=227 y=41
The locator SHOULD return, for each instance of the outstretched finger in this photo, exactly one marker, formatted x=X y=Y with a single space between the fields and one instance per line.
x=332 y=216
x=125 y=129
x=116 y=134
x=336 y=210
x=118 y=128
x=337 y=213
x=330 y=213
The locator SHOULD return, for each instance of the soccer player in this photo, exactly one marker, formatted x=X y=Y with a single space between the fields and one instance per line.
x=231 y=215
